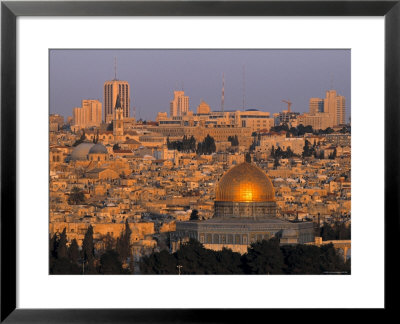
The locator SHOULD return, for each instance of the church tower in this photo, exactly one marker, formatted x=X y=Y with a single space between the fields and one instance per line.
x=118 y=123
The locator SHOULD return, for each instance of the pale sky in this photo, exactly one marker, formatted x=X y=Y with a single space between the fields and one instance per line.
x=269 y=77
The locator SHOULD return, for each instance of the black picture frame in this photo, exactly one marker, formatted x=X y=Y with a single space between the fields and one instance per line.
x=10 y=10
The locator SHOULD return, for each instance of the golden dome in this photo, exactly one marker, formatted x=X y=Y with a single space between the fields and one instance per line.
x=245 y=183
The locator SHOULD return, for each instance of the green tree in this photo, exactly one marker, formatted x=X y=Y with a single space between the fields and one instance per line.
x=228 y=262
x=110 y=263
x=53 y=244
x=332 y=156
x=192 y=144
x=330 y=260
x=109 y=242
x=64 y=266
x=76 y=196
x=195 y=259
x=307 y=149
x=248 y=157
x=272 y=151
x=264 y=257
x=159 y=263
x=88 y=250
x=194 y=215
x=207 y=146
x=62 y=245
x=234 y=140
x=81 y=139
x=301 y=259
x=276 y=162
x=73 y=252
x=96 y=137
x=123 y=244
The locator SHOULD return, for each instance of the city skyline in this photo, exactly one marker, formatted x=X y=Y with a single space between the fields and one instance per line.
x=269 y=76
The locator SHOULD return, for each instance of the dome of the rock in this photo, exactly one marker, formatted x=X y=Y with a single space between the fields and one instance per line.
x=245 y=183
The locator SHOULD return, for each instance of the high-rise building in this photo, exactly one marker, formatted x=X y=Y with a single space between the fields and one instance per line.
x=203 y=108
x=180 y=105
x=316 y=105
x=88 y=115
x=327 y=112
x=340 y=110
x=112 y=89
x=335 y=106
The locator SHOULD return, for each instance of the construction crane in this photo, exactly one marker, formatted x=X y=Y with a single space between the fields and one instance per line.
x=289 y=103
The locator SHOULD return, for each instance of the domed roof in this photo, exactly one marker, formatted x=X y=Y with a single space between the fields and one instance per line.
x=245 y=183
x=98 y=149
x=81 y=151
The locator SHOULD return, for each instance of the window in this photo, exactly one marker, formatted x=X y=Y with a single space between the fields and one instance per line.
x=237 y=239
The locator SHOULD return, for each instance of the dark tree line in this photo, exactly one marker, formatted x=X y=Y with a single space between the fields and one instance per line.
x=332 y=156
x=263 y=257
x=301 y=130
x=207 y=146
x=234 y=140
x=194 y=215
x=281 y=154
x=186 y=145
x=278 y=154
x=76 y=197
x=72 y=260
x=308 y=149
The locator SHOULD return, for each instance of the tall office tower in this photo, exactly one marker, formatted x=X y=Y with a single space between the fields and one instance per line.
x=180 y=105
x=330 y=105
x=316 y=105
x=88 y=115
x=340 y=110
x=335 y=106
x=111 y=90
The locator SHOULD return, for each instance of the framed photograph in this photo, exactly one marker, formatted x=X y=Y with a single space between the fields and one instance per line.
x=182 y=156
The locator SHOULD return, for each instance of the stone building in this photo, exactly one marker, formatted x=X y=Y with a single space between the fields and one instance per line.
x=244 y=212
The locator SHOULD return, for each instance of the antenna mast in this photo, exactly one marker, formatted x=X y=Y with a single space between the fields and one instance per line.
x=115 y=68
x=244 y=88
x=223 y=92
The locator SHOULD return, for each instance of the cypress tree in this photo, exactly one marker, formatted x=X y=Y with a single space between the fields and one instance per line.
x=194 y=215
x=73 y=252
x=124 y=242
x=88 y=249
x=62 y=245
x=53 y=243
